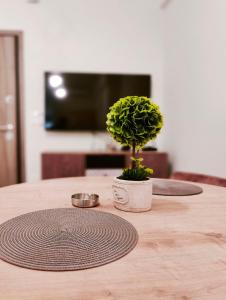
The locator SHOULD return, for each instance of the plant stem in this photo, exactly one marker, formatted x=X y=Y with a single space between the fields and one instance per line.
x=134 y=155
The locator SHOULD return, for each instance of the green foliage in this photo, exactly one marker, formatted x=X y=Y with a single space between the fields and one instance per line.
x=138 y=173
x=134 y=120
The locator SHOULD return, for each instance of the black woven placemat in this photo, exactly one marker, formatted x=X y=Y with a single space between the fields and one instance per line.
x=167 y=187
x=65 y=239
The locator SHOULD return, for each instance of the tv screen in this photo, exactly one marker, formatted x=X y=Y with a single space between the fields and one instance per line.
x=79 y=101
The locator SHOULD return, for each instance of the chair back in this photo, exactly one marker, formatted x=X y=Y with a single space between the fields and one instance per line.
x=199 y=178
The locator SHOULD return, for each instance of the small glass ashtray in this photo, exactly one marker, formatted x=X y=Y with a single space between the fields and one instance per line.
x=85 y=200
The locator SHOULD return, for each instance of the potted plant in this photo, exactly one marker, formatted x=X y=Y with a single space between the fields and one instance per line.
x=133 y=121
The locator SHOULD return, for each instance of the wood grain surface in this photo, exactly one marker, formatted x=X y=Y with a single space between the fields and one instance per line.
x=8 y=139
x=70 y=164
x=181 y=252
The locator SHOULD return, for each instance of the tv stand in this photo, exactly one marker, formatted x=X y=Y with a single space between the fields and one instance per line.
x=70 y=164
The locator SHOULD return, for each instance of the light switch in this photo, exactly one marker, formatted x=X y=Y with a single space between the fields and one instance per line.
x=37 y=117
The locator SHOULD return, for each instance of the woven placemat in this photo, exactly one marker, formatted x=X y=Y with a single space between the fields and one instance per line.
x=65 y=239
x=167 y=187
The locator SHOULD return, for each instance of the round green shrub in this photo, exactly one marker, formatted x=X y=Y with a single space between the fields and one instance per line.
x=134 y=120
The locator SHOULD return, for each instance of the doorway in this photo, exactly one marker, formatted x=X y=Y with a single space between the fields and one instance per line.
x=11 y=104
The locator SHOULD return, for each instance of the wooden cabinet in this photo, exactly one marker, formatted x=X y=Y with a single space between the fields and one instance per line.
x=158 y=161
x=57 y=165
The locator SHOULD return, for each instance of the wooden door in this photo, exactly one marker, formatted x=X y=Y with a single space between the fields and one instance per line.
x=9 y=173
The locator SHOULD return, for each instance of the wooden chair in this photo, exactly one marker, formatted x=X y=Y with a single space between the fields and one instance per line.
x=199 y=178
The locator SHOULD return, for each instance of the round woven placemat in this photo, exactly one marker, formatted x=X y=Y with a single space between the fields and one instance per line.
x=167 y=187
x=65 y=239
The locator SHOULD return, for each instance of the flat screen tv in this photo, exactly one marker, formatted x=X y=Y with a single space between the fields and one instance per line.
x=80 y=101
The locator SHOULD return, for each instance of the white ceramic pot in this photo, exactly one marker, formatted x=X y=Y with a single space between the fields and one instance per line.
x=135 y=196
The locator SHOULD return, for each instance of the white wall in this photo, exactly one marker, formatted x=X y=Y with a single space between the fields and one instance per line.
x=81 y=35
x=195 y=85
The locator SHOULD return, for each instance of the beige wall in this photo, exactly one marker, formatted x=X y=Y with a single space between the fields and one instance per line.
x=80 y=35
x=182 y=46
x=195 y=84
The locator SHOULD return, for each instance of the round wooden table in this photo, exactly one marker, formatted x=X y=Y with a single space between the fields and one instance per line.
x=181 y=252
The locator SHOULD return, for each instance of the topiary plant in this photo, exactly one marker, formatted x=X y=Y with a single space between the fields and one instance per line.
x=133 y=121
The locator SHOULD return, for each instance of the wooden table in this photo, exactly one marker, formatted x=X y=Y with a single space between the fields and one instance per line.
x=181 y=253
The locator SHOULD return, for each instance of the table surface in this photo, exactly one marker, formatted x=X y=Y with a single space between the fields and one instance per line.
x=181 y=252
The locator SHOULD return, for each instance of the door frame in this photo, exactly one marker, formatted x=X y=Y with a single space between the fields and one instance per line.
x=19 y=101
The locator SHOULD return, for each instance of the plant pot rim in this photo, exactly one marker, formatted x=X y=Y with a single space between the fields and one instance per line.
x=133 y=182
